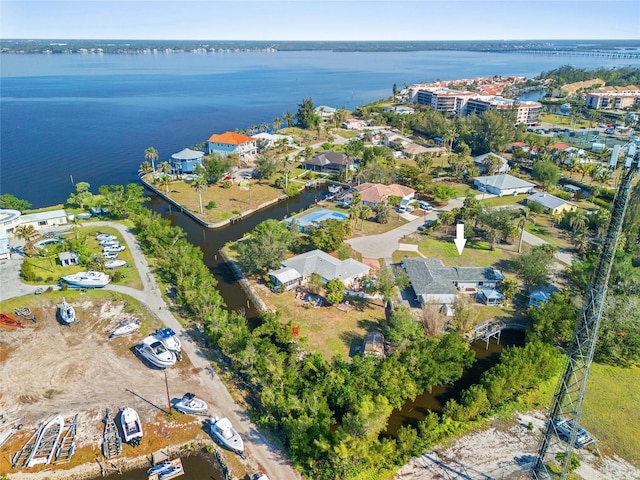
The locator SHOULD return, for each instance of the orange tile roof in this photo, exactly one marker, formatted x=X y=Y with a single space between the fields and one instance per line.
x=230 y=138
x=560 y=146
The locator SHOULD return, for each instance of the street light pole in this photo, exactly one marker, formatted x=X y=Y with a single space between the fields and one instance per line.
x=166 y=384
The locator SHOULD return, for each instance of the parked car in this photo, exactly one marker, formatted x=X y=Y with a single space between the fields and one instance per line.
x=114 y=248
x=110 y=255
x=425 y=205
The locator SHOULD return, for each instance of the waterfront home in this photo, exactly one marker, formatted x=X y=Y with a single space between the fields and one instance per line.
x=186 y=161
x=479 y=161
x=325 y=113
x=40 y=220
x=552 y=204
x=503 y=184
x=433 y=282
x=328 y=162
x=355 y=124
x=399 y=109
x=270 y=139
x=231 y=142
x=9 y=220
x=374 y=193
x=297 y=270
x=5 y=246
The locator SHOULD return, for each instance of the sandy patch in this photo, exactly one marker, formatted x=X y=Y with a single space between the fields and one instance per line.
x=503 y=452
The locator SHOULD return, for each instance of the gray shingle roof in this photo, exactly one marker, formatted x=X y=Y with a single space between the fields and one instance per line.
x=323 y=159
x=328 y=267
x=547 y=200
x=504 y=181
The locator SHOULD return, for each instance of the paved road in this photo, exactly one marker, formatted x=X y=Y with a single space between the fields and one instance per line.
x=260 y=453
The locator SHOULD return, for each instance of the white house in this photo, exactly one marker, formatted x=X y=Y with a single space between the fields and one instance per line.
x=5 y=247
x=9 y=220
x=272 y=138
x=40 y=220
x=479 y=161
x=326 y=113
x=355 y=124
x=503 y=184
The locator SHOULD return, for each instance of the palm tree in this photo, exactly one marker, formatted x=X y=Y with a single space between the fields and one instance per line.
x=288 y=117
x=145 y=167
x=365 y=212
x=164 y=181
x=526 y=215
x=151 y=154
x=199 y=184
x=28 y=234
x=578 y=220
x=276 y=123
x=165 y=167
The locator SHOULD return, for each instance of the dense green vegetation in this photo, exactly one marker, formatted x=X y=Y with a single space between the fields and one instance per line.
x=622 y=76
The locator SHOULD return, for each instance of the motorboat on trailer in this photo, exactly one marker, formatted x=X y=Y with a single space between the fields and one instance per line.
x=131 y=426
x=67 y=312
x=89 y=279
x=169 y=339
x=154 y=351
x=101 y=237
x=226 y=435
x=189 y=403
x=125 y=327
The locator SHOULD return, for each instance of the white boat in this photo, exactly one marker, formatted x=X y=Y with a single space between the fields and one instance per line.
x=564 y=427
x=156 y=353
x=169 y=339
x=67 y=312
x=46 y=442
x=222 y=431
x=189 y=403
x=172 y=471
x=131 y=426
x=125 y=327
x=114 y=264
x=8 y=433
x=101 y=237
x=156 y=469
x=90 y=279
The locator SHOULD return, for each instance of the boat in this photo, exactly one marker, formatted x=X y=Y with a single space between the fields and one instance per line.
x=114 y=264
x=90 y=279
x=84 y=216
x=67 y=312
x=46 y=442
x=169 y=339
x=172 y=471
x=222 y=430
x=26 y=313
x=259 y=476
x=156 y=353
x=563 y=428
x=125 y=327
x=130 y=425
x=156 y=469
x=189 y=403
x=111 y=441
x=8 y=433
x=7 y=320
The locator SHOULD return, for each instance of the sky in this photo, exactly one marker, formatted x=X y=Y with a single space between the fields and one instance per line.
x=320 y=19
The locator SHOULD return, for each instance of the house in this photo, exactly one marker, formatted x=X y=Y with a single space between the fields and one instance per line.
x=315 y=218
x=40 y=220
x=297 y=270
x=503 y=184
x=355 y=124
x=414 y=149
x=5 y=247
x=573 y=189
x=433 y=282
x=270 y=139
x=231 y=142
x=552 y=204
x=328 y=162
x=68 y=258
x=325 y=113
x=490 y=296
x=479 y=161
x=374 y=193
x=399 y=109
x=9 y=220
x=538 y=298
x=186 y=161
x=373 y=344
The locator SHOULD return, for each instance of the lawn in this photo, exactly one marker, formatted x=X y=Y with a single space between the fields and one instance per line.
x=564 y=121
x=502 y=201
x=476 y=253
x=611 y=410
x=49 y=270
x=229 y=201
x=328 y=330
x=545 y=229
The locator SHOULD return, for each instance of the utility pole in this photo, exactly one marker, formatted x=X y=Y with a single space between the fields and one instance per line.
x=566 y=405
x=166 y=384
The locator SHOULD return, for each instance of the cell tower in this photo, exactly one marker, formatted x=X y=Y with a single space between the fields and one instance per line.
x=563 y=421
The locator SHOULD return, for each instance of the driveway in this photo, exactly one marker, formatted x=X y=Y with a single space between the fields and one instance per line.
x=260 y=453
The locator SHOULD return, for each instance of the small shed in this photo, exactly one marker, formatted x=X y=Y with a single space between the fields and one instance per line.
x=538 y=298
x=68 y=258
x=490 y=296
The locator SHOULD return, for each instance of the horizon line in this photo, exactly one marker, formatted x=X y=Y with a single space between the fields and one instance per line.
x=325 y=41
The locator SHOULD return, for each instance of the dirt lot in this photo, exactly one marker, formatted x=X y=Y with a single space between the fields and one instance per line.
x=47 y=368
x=503 y=451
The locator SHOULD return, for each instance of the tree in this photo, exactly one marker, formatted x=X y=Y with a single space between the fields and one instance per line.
x=165 y=167
x=266 y=166
x=446 y=218
x=82 y=196
x=9 y=201
x=306 y=117
x=509 y=288
x=145 y=168
x=288 y=118
x=329 y=234
x=464 y=313
x=545 y=172
x=266 y=247
x=315 y=283
x=121 y=200
x=213 y=167
x=199 y=184
x=334 y=291
x=28 y=233
x=276 y=123
x=491 y=164
x=151 y=154
x=555 y=320
x=424 y=161
x=365 y=212
x=534 y=267
x=526 y=215
x=383 y=212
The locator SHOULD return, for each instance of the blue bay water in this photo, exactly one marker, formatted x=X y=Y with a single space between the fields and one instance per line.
x=91 y=117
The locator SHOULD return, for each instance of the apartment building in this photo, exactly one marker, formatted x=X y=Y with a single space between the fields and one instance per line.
x=443 y=99
x=527 y=113
x=614 y=98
